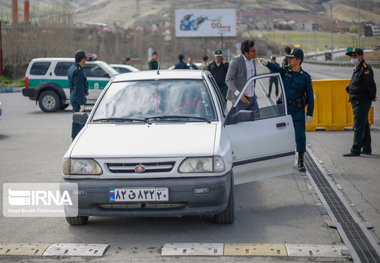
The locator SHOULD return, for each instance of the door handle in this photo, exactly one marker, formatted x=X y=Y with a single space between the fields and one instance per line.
x=280 y=124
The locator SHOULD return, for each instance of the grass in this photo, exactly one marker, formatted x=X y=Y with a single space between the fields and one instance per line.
x=6 y=83
x=313 y=41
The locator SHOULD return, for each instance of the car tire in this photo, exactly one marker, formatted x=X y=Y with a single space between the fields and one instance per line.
x=49 y=101
x=64 y=106
x=77 y=220
x=227 y=216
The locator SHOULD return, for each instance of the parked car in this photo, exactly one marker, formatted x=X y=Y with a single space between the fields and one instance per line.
x=46 y=81
x=164 y=144
x=123 y=68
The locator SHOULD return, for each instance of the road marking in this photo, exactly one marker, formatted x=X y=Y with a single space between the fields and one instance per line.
x=251 y=249
x=301 y=250
x=85 y=250
x=23 y=249
x=192 y=249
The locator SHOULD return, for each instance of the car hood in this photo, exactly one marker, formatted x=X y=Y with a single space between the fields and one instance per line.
x=143 y=140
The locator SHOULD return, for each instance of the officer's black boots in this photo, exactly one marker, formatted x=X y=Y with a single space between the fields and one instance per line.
x=301 y=166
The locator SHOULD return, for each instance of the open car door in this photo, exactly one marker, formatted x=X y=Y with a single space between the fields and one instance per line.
x=263 y=141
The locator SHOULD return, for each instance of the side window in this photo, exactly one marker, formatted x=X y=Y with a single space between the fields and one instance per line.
x=95 y=71
x=123 y=70
x=39 y=68
x=266 y=102
x=222 y=101
x=61 y=68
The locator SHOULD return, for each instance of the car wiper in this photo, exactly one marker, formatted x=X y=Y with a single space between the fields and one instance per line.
x=165 y=117
x=118 y=119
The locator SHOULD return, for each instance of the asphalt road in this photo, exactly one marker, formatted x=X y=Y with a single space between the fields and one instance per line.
x=278 y=210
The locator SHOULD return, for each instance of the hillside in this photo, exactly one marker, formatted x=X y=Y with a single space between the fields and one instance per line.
x=131 y=12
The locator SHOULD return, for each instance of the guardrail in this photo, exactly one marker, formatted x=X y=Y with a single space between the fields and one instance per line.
x=332 y=110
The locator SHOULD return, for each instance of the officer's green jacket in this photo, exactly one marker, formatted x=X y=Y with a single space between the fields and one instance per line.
x=297 y=85
x=78 y=84
x=153 y=65
x=362 y=85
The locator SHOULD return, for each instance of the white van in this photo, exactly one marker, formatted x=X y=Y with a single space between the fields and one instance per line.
x=46 y=81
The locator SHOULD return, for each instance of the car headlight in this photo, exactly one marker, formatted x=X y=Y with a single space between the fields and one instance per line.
x=202 y=165
x=81 y=166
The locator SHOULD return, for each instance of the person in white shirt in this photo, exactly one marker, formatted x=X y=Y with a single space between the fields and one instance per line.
x=242 y=67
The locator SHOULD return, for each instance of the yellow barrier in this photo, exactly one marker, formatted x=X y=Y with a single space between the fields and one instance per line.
x=332 y=110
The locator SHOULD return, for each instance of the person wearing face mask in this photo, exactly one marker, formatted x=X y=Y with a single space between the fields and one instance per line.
x=362 y=91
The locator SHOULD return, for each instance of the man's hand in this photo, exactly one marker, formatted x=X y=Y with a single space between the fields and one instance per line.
x=263 y=61
x=81 y=109
x=279 y=100
x=245 y=98
x=309 y=119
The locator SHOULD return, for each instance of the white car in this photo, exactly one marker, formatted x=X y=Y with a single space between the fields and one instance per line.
x=123 y=68
x=163 y=144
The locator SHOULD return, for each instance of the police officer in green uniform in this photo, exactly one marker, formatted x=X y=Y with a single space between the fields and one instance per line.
x=362 y=90
x=219 y=70
x=299 y=93
x=78 y=88
x=153 y=63
x=287 y=51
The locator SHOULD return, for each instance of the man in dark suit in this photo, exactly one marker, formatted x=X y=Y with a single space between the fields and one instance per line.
x=242 y=67
x=181 y=64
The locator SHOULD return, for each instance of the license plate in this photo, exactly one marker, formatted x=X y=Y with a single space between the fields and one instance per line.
x=139 y=194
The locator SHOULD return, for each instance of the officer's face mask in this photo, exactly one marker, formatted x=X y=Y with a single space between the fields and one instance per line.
x=355 y=61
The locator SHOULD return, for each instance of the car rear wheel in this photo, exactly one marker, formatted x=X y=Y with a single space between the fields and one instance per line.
x=49 y=101
x=227 y=216
x=77 y=220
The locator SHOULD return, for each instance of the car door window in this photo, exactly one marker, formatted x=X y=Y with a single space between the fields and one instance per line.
x=268 y=108
x=95 y=71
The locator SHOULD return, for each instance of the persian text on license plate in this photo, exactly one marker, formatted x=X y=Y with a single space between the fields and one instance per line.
x=138 y=194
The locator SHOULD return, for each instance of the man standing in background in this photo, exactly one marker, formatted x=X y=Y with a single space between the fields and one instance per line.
x=362 y=90
x=285 y=62
x=78 y=88
x=219 y=70
x=153 y=63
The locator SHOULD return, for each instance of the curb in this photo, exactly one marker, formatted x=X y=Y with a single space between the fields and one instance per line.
x=10 y=90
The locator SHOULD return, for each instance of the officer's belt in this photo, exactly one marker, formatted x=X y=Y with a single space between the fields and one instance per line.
x=299 y=103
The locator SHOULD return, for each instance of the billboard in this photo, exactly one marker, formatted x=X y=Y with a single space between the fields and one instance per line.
x=205 y=22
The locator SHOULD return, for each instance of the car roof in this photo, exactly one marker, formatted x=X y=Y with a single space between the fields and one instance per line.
x=163 y=74
x=63 y=59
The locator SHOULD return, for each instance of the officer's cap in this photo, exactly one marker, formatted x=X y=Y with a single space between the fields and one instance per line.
x=79 y=54
x=288 y=49
x=218 y=53
x=351 y=51
x=273 y=57
x=296 y=53
x=154 y=53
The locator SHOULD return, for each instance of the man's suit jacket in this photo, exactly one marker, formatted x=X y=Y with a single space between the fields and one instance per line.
x=236 y=76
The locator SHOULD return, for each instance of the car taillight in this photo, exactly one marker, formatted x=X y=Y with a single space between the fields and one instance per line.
x=26 y=82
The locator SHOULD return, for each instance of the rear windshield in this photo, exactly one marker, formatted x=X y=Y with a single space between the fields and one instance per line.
x=61 y=68
x=40 y=68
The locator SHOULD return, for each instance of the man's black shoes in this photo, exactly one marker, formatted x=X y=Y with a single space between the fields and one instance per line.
x=351 y=154
x=366 y=152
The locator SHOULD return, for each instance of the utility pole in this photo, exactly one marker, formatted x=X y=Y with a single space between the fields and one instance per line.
x=358 y=24
x=1 y=53
x=332 y=38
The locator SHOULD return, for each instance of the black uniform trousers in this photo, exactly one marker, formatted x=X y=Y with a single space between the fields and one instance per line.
x=271 y=81
x=362 y=135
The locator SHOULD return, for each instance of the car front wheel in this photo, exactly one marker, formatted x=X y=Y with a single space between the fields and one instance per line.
x=227 y=216
x=77 y=220
x=49 y=101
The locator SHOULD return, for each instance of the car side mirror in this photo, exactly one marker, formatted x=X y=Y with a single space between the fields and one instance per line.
x=240 y=116
x=80 y=117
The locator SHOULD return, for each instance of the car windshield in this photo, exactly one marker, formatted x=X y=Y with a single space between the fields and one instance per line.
x=156 y=101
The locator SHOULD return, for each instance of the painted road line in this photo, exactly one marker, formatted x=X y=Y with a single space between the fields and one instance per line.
x=192 y=249
x=85 y=250
x=23 y=249
x=304 y=250
x=252 y=249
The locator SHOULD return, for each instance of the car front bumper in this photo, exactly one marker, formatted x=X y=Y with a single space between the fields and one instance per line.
x=93 y=197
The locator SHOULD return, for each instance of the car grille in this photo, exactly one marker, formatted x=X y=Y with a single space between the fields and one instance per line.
x=142 y=206
x=152 y=167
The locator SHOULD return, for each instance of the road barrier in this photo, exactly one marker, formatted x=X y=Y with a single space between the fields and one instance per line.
x=332 y=110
